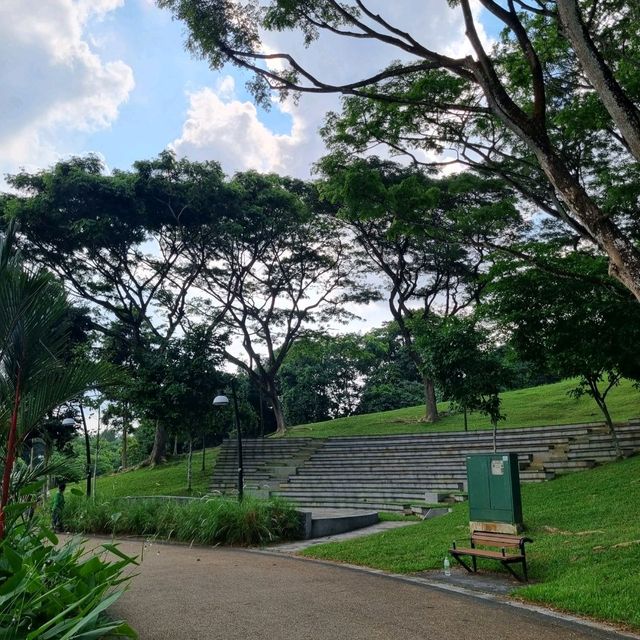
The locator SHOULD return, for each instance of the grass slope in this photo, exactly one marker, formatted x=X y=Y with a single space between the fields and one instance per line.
x=544 y=405
x=168 y=479
x=586 y=548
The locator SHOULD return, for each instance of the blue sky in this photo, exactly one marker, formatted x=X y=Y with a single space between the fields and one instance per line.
x=152 y=43
x=113 y=77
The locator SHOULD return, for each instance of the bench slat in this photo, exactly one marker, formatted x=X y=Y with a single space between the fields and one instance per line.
x=486 y=553
x=497 y=540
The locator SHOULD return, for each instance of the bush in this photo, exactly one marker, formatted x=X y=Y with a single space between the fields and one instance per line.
x=57 y=592
x=204 y=521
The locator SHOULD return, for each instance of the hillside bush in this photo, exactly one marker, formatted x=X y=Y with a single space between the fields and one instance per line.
x=204 y=521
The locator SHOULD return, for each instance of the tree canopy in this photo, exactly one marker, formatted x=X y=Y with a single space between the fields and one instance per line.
x=552 y=108
x=571 y=326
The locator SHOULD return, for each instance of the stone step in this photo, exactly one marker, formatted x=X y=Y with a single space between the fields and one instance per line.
x=380 y=494
x=345 y=471
x=600 y=452
x=569 y=466
x=381 y=463
x=387 y=482
x=445 y=445
x=346 y=503
x=373 y=472
x=435 y=456
x=568 y=429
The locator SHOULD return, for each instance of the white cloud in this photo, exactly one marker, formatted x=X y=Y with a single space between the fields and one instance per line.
x=52 y=81
x=220 y=127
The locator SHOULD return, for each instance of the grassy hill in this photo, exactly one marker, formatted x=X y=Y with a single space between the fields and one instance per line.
x=586 y=546
x=169 y=479
x=544 y=405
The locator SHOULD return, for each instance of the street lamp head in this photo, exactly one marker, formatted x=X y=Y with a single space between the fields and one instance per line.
x=220 y=401
x=68 y=422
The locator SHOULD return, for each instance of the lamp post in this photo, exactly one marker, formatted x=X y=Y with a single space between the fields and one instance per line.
x=223 y=401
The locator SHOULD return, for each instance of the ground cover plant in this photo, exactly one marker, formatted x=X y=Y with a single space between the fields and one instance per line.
x=536 y=406
x=206 y=521
x=586 y=543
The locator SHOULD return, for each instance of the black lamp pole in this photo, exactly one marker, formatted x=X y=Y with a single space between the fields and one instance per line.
x=239 y=436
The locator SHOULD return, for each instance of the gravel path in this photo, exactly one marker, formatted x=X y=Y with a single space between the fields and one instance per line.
x=183 y=593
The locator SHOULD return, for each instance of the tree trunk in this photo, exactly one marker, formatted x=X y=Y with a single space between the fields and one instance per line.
x=278 y=413
x=624 y=256
x=124 y=444
x=281 y=427
x=261 y=412
x=612 y=430
x=157 y=452
x=87 y=448
x=466 y=425
x=203 y=452
x=621 y=109
x=10 y=458
x=175 y=445
x=95 y=459
x=189 y=464
x=600 y=401
x=430 y=400
x=272 y=395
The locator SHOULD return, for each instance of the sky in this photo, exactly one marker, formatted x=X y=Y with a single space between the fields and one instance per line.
x=112 y=77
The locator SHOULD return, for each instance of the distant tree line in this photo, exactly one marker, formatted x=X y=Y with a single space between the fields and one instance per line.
x=184 y=275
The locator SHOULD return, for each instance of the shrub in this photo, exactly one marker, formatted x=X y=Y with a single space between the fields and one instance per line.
x=53 y=592
x=204 y=521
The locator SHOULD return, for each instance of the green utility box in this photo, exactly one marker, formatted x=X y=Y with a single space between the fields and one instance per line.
x=494 y=488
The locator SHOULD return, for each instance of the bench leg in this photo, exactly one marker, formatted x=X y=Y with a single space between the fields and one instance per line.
x=475 y=566
x=507 y=565
x=464 y=564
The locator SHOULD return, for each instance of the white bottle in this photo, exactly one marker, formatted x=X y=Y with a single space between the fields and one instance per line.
x=447 y=567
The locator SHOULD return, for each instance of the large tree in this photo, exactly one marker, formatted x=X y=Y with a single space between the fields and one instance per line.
x=323 y=376
x=552 y=108
x=119 y=242
x=426 y=238
x=465 y=364
x=570 y=319
x=275 y=266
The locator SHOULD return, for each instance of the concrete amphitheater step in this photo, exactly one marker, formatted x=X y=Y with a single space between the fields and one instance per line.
x=348 y=470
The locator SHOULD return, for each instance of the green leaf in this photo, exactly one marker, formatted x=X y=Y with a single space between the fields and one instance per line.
x=14 y=559
x=113 y=548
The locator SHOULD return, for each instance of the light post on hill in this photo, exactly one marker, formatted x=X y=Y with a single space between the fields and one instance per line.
x=223 y=401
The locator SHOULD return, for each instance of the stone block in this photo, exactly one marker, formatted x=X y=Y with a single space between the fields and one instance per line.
x=495 y=527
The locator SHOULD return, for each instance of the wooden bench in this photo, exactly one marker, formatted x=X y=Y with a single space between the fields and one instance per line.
x=507 y=555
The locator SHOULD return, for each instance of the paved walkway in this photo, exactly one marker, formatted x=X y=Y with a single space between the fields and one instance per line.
x=298 y=545
x=183 y=593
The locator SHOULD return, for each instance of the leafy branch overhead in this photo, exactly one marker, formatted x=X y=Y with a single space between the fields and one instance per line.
x=551 y=108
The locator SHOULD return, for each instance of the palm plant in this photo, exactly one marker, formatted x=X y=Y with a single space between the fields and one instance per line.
x=34 y=377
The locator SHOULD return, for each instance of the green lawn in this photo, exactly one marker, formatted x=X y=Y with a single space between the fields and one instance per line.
x=168 y=479
x=544 y=405
x=586 y=549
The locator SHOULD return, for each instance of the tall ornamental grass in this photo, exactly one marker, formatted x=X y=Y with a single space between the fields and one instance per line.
x=205 y=521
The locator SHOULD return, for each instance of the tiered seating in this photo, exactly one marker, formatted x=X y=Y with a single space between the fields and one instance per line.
x=387 y=472
x=266 y=463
